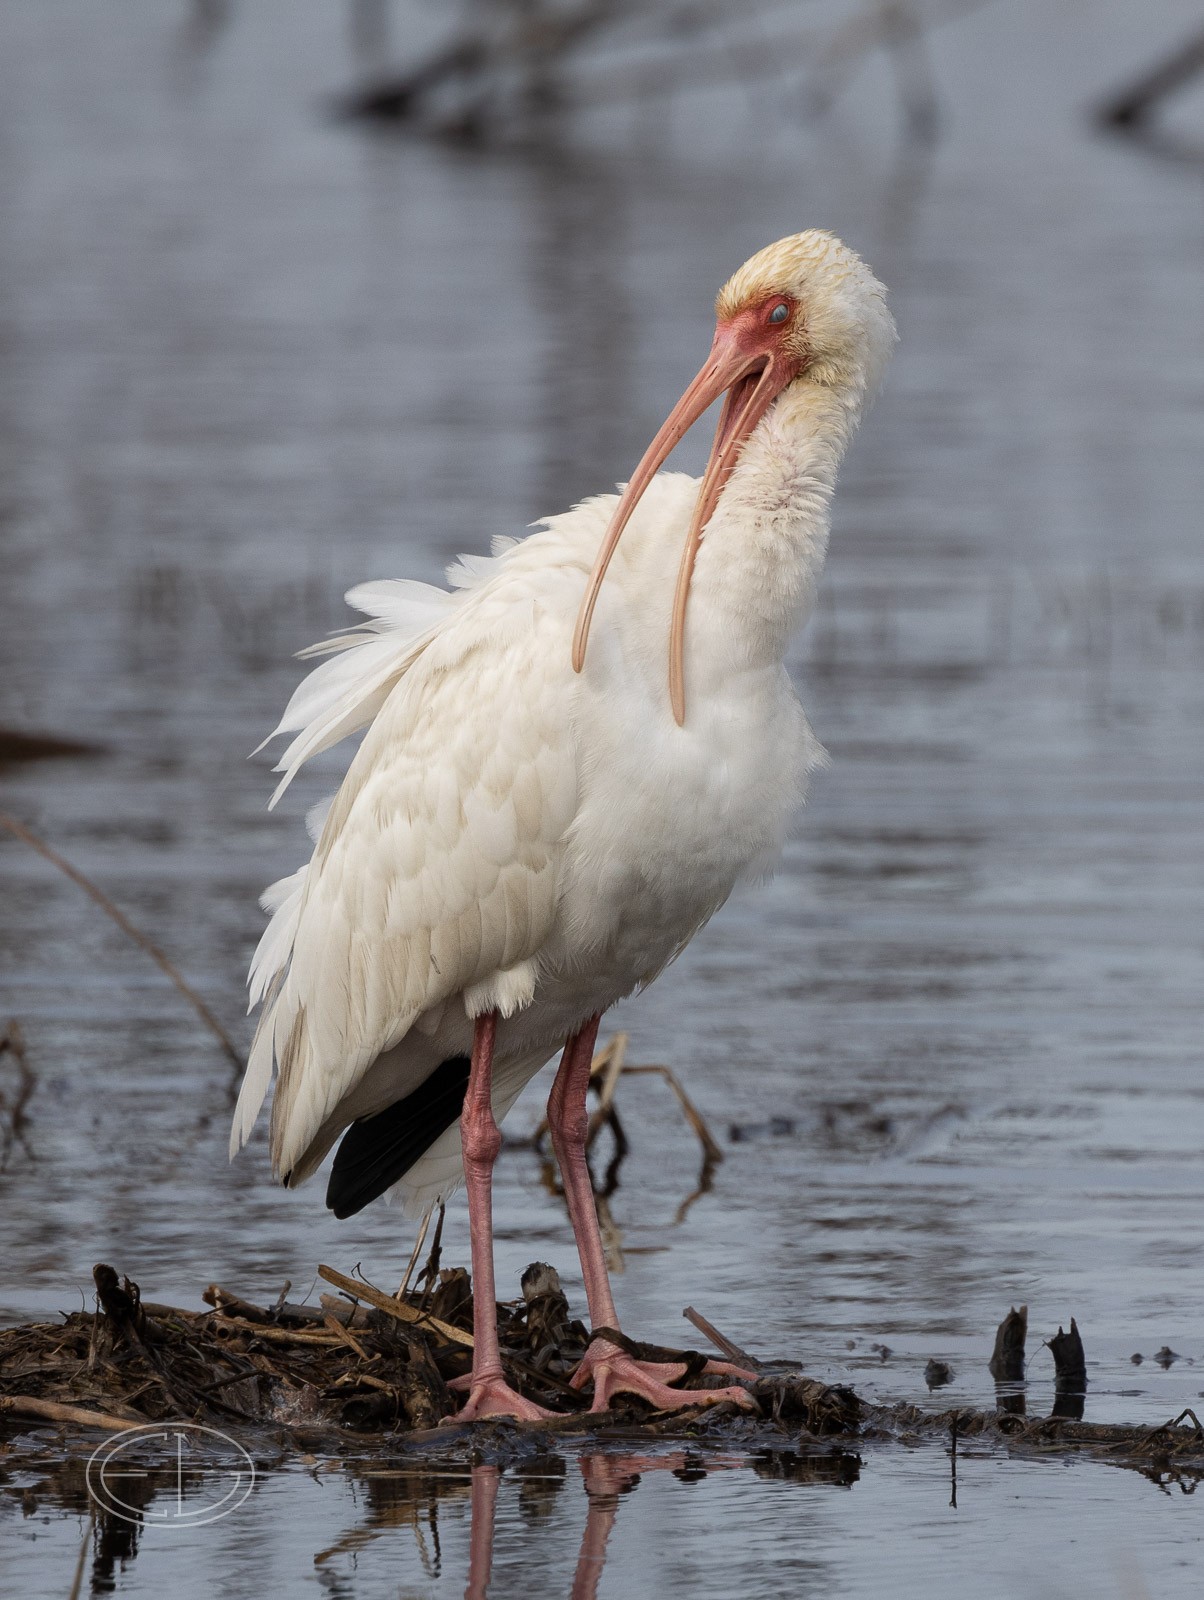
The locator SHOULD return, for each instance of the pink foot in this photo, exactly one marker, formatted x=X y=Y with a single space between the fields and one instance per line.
x=613 y=1372
x=492 y=1396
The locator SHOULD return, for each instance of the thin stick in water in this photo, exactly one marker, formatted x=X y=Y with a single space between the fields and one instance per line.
x=727 y=1346
x=27 y=836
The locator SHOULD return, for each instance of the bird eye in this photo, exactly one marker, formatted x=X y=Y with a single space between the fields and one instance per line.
x=779 y=313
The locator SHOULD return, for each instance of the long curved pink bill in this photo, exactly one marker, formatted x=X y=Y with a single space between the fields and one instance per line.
x=722 y=369
x=725 y=452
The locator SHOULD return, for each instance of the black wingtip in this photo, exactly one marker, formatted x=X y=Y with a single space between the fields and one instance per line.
x=376 y=1151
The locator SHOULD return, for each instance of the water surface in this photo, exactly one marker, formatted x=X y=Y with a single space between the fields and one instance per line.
x=252 y=356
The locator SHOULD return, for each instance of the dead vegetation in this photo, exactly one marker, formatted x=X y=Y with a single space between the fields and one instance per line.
x=361 y=1360
x=363 y=1364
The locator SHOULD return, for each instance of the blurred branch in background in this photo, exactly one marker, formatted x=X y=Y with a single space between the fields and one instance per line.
x=1133 y=104
x=515 y=66
x=1131 y=109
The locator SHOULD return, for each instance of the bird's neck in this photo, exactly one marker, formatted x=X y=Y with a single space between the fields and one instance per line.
x=763 y=550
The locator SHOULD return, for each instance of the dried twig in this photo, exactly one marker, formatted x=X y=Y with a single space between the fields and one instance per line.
x=344 y=1313
x=233 y=1305
x=26 y=1405
x=727 y=1346
x=415 y=1253
x=395 y=1308
x=346 y=1337
x=429 y=1275
x=27 y=836
x=710 y=1146
x=264 y=1330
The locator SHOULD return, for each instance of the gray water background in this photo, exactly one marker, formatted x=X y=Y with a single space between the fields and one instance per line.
x=251 y=356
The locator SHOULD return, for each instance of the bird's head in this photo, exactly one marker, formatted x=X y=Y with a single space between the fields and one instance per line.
x=811 y=305
x=806 y=309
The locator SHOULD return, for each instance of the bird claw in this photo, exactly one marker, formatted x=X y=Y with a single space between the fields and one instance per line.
x=491 y=1396
x=613 y=1372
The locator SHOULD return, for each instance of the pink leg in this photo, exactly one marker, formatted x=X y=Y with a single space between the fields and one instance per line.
x=603 y=1483
x=485 y=1481
x=489 y=1395
x=611 y=1370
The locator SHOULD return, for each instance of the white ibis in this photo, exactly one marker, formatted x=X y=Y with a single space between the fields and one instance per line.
x=561 y=781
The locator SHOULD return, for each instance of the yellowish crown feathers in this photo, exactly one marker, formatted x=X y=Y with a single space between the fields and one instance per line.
x=847 y=329
x=792 y=264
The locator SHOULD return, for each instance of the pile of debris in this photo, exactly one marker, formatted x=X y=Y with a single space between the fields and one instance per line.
x=365 y=1364
x=359 y=1361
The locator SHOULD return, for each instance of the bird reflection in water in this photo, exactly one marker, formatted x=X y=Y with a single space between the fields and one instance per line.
x=397 y=1499
x=411 y=1499
x=607 y=1477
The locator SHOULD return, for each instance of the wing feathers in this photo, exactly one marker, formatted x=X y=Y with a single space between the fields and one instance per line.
x=345 y=693
x=435 y=876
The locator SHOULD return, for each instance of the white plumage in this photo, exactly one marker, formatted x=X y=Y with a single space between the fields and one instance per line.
x=516 y=837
